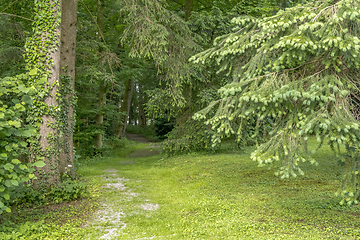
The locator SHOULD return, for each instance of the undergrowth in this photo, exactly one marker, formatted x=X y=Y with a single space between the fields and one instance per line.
x=146 y=131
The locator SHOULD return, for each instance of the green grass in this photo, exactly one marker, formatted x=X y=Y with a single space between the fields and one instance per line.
x=221 y=196
x=226 y=196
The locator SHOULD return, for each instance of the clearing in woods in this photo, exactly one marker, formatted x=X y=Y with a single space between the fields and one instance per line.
x=145 y=195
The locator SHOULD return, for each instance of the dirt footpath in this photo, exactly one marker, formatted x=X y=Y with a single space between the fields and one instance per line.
x=136 y=138
x=144 y=152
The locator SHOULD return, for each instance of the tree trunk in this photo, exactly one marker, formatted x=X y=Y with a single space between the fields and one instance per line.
x=142 y=116
x=100 y=116
x=187 y=111
x=188 y=9
x=284 y=4
x=125 y=108
x=188 y=88
x=67 y=73
x=102 y=88
x=43 y=54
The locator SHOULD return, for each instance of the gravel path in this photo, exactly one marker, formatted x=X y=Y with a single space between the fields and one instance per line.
x=109 y=219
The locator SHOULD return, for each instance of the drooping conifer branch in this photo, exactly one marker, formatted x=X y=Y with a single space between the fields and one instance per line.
x=294 y=71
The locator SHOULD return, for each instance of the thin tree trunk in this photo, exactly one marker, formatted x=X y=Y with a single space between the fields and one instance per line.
x=67 y=72
x=125 y=108
x=100 y=116
x=102 y=88
x=188 y=9
x=142 y=116
x=188 y=88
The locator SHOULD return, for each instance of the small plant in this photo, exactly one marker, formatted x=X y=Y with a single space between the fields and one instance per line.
x=68 y=190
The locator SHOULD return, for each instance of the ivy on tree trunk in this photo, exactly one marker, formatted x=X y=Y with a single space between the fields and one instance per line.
x=67 y=73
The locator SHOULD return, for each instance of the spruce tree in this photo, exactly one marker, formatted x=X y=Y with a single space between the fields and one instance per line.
x=296 y=70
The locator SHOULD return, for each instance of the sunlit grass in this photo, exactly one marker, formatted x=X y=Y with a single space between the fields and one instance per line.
x=221 y=196
x=226 y=196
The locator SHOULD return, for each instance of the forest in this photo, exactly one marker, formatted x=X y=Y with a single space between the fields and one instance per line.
x=179 y=119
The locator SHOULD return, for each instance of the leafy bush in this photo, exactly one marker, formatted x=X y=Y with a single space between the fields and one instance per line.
x=15 y=100
x=163 y=126
x=68 y=190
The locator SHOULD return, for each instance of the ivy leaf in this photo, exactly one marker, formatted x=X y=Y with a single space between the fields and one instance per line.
x=33 y=72
x=2 y=115
x=2 y=188
x=4 y=155
x=42 y=80
x=17 y=124
x=8 y=184
x=14 y=182
x=8 y=166
x=39 y=164
x=15 y=161
x=23 y=89
x=6 y=196
x=8 y=210
x=31 y=176
x=27 y=99
x=22 y=167
x=27 y=133
x=8 y=148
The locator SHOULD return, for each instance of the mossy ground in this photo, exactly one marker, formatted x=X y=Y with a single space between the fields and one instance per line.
x=221 y=196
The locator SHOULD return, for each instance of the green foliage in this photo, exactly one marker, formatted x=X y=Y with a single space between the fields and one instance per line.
x=298 y=68
x=27 y=230
x=67 y=191
x=25 y=195
x=154 y=32
x=13 y=31
x=208 y=25
x=193 y=136
x=148 y=131
x=163 y=126
x=48 y=222
x=15 y=131
x=42 y=62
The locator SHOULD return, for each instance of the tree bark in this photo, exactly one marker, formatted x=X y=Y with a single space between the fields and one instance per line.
x=125 y=108
x=188 y=88
x=102 y=87
x=67 y=73
x=100 y=116
x=188 y=9
x=142 y=116
x=44 y=39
